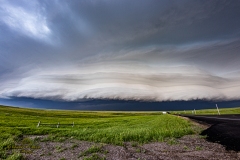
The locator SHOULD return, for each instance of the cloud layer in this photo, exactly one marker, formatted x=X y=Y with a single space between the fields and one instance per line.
x=153 y=50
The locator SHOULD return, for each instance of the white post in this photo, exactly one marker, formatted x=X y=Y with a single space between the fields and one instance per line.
x=217 y=109
x=194 y=111
x=58 y=125
x=73 y=124
x=38 y=123
x=184 y=111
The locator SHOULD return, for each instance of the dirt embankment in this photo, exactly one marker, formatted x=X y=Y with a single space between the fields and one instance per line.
x=188 y=147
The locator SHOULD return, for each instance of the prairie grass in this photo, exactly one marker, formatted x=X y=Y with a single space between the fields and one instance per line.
x=93 y=149
x=104 y=127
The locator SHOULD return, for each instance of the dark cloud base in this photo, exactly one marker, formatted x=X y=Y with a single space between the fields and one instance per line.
x=118 y=105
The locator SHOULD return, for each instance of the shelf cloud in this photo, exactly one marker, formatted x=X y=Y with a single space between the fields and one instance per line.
x=128 y=50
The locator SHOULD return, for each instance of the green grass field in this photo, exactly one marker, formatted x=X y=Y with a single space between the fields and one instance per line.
x=211 y=111
x=104 y=127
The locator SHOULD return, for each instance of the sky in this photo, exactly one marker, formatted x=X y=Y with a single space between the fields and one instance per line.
x=144 y=50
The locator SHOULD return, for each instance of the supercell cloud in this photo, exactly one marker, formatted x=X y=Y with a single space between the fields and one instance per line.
x=134 y=50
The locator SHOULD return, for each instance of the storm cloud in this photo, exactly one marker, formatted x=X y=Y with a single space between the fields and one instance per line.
x=130 y=50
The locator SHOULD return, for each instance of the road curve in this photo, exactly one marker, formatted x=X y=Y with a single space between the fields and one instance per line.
x=224 y=129
x=213 y=119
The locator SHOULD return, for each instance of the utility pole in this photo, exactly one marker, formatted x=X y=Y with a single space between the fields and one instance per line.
x=217 y=109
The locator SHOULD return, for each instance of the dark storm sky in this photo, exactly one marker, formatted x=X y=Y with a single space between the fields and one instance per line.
x=128 y=50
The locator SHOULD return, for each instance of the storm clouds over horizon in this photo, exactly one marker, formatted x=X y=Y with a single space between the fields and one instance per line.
x=129 y=50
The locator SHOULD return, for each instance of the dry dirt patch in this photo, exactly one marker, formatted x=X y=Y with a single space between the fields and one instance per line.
x=188 y=147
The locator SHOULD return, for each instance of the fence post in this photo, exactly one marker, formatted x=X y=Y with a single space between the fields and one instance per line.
x=58 y=125
x=73 y=124
x=38 y=124
x=217 y=109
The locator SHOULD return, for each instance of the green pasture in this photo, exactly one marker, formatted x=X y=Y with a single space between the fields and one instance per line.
x=103 y=127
